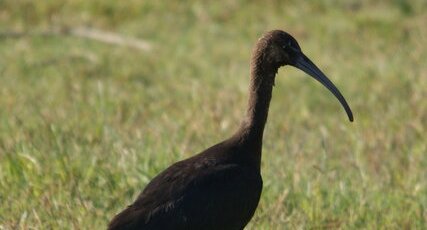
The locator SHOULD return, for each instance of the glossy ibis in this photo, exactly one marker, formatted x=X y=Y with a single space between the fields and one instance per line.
x=220 y=187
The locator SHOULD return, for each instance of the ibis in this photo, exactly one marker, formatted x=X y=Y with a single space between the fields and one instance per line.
x=220 y=187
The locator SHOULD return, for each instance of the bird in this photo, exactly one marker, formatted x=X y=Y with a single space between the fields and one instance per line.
x=220 y=187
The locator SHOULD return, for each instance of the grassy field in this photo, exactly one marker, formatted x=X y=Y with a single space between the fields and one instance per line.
x=85 y=125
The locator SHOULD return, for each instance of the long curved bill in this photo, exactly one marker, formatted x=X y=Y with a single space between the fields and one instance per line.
x=305 y=64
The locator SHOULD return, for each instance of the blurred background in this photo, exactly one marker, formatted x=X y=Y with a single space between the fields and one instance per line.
x=97 y=97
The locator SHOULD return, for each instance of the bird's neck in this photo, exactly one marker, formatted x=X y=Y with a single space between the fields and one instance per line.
x=260 y=91
x=252 y=128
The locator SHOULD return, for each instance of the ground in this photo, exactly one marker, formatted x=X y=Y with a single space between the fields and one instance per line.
x=84 y=125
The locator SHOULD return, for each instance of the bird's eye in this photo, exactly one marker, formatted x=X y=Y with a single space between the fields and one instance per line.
x=287 y=45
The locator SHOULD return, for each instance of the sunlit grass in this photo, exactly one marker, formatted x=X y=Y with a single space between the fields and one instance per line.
x=85 y=125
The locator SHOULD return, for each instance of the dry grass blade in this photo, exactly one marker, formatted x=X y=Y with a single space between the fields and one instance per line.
x=85 y=32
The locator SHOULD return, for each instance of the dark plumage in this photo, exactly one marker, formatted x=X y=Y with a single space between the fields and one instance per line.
x=220 y=187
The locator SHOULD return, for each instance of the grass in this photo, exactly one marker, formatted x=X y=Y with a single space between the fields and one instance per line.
x=85 y=125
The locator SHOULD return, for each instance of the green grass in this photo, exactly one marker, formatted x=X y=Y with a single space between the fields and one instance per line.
x=85 y=125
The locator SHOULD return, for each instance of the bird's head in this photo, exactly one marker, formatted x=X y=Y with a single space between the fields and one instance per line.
x=278 y=48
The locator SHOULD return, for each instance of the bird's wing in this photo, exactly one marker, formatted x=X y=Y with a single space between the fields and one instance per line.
x=164 y=196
